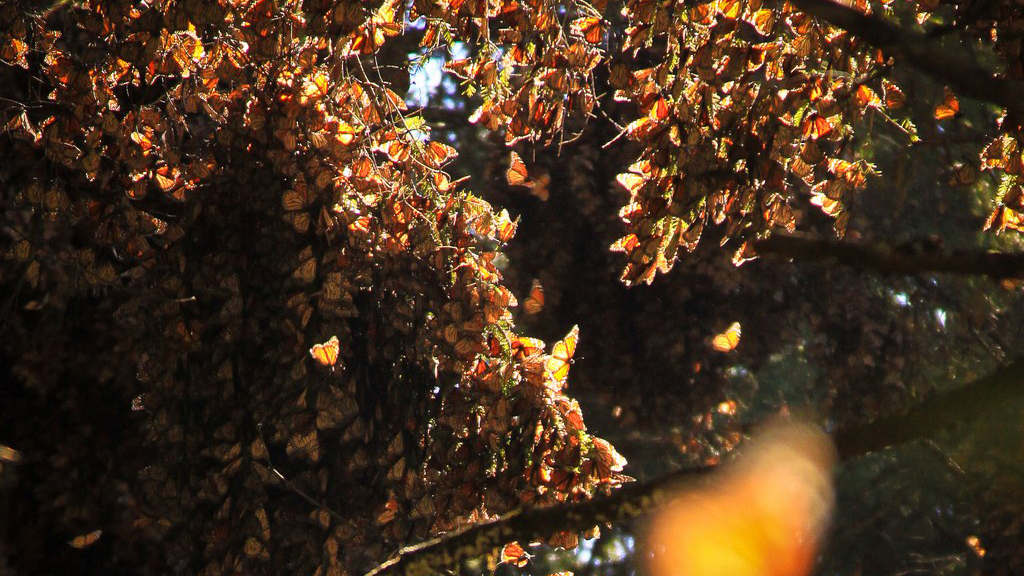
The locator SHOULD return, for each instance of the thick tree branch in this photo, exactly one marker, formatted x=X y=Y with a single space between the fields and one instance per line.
x=938 y=413
x=449 y=550
x=932 y=416
x=954 y=67
x=885 y=259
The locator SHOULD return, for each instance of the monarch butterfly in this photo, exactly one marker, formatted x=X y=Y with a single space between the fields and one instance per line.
x=438 y=153
x=608 y=459
x=816 y=127
x=296 y=199
x=948 y=108
x=865 y=97
x=306 y=271
x=761 y=518
x=299 y=220
x=85 y=540
x=728 y=340
x=505 y=226
x=534 y=302
x=327 y=353
x=517 y=174
x=525 y=347
x=8 y=454
x=965 y=174
x=167 y=178
x=561 y=356
x=590 y=29
x=762 y=21
x=894 y=97
x=513 y=553
x=398 y=151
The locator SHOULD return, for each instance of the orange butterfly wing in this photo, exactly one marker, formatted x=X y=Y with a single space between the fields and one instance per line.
x=327 y=353
x=728 y=340
x=589 y=28
x=513 y=553
x=534 y=302
x=949 y=107
x=525 y=347
x=816 y=127
x=561 y=355
x=517 y=172
x=85 y=540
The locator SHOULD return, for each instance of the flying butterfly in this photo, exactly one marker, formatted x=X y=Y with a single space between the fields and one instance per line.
x=327 y=353
x=561 y=356
x=534 y=301
x=85 y=540
x=728 y=340
x=949 y=107
x=517 y=174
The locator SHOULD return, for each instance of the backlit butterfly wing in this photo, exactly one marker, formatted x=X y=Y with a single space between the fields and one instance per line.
x=513 y=553
x=561 y=355
x=728 y=340
x=327 y=353
x=763 y=516
x=948 y=108
x=85 y=540
x=534 y=302
x=524 y=347
x=517 y=174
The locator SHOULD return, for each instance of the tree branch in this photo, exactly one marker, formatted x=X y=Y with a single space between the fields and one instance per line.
x=885 y=259
x=449 y=550
x=936 y=414
x=932 y=416
x=956 y=68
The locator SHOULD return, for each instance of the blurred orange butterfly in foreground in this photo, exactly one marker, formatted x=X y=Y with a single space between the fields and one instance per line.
x=728 y=340
x=326 y=353
x=561 y=356
x=761 y=516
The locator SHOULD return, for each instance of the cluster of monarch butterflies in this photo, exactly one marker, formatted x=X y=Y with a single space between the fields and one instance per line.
x=209 y=121
x=782 y=95
x=212 y=120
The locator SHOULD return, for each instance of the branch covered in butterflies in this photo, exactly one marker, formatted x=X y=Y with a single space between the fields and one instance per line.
x=954 y=67
x=932 y=416
x=448 y=550
x=918 y=257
